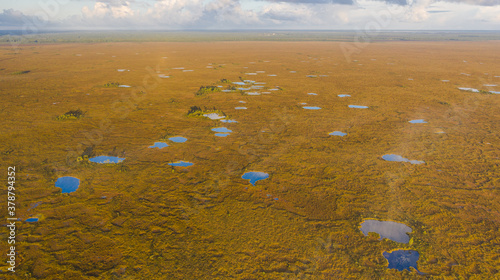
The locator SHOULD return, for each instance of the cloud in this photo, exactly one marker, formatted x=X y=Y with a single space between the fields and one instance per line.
x=114 y=9
x=343 y=2
x=224 y=12
x=13 y=18
x=477 y=2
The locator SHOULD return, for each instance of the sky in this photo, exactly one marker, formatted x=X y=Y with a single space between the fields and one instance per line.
x=360 y=15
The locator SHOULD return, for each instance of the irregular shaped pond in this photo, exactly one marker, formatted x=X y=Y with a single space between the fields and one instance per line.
x=68 y=184
x=221 y=129
x=312 y=93
x=124 y=86
x=468 y=89
x=495 y=92
x=181 y=163
x=392 y=157
x=337 y=133
x=255 y=176
x=358 y=106
x=106 y=159
x=311 y=107
x=387 y=229
x=32 y=220
x=418 y=121
x=213 y=116
x=159 y=145
x=402 y=259
x=253 y=93
x=228 y=121
x=343 y=95
x=239 y=83
x=240 y=108
x=178 y=139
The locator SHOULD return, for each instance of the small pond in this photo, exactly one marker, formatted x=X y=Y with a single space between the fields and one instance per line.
x=358 y=106
x=311 y=107
x=402 y=259
x=181 y=163
x=392 y=157
x=337 y=133
x=178 y=139
x=387 y=229
x=255 y=176
x=417 y=121
x=159 y=145
x=68 y=184
x=106 y=159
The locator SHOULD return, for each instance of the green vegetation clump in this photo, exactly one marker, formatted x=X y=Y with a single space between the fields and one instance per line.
x=484 y=92
x=20 y=72
x=207 y=89
x=196 y=111
x=71 y=115
x=232 y=88
x=112 y=84
x=225 y=81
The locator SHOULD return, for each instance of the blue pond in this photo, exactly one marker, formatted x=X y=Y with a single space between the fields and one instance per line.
x=32 y=220
x=494 y=92
x=255 y=176
x=387 y=229
x=240 y=108
x=337 y=133
x=178 y=139
x=239 y=83
x=344 y=95
x=68 y=184
x=312 y=93
x=228 y=121
x=181 y=163
x=402 y=259
x=311 y=107
x=159 y=145
x=106 y=159
x=417 y=121
x=222 y=134
x=221 y=129
x=358 y=106
x=392 y=157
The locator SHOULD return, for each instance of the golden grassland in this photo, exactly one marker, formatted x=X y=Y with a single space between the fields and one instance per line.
x=143 y=219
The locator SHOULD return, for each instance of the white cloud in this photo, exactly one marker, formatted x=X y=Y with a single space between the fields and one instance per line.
x=101 y=10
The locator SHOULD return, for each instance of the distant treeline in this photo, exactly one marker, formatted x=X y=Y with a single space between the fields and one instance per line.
x=264 y=35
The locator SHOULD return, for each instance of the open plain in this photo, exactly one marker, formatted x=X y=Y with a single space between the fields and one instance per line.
x=147 y=218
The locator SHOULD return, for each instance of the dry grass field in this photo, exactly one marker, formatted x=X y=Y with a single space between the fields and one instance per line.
x=145 y=219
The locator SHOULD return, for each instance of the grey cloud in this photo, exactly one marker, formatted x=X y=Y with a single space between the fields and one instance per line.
x=470 y=2
x=13 y=18
x=342 y=2
x=477 y=2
